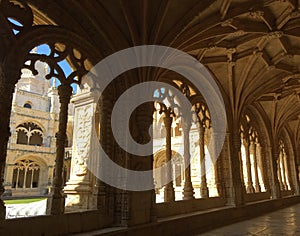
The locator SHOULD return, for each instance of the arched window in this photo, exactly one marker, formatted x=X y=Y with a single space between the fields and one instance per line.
x=27 y=105
x=26 y=174
x=29 y=134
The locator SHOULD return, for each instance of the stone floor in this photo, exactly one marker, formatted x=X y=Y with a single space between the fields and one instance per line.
x=282 y=222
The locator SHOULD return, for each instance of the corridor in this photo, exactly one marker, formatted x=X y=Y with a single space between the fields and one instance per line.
x=282 y=222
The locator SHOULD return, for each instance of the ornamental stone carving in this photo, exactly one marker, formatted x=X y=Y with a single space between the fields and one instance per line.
x=83 y=136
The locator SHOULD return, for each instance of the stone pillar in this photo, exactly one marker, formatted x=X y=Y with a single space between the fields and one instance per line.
x=139 y=207
x=79 y=187
x=264 y=163
x=56 y=203
x=188 y=191
x=100 y=189
x=236 y=172
x=50 y=177
x=281 y=172
x=8 y=179
x=250 y=188
x=253 y=151
x=169 y=194
x=203 y=185
x=7 y=87
x=286 y=172
x=274 y=185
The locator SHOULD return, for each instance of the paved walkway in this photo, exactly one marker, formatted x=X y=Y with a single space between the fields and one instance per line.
x=282 y=222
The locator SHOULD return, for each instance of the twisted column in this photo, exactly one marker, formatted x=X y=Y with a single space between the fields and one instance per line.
x=56 y=203
x=188 y=191
x=169 y=194
x=253 y=151
x=203 y=185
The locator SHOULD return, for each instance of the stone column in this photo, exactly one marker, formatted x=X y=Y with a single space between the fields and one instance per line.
x=238 y=185
x=169 y=194
x=7 y=87
x=100 y=189
x=286 y=172
x=56 y=203
x=188 y=191
x=263 y=165
x=275 y=185
x=203 y=185
x=79 y=187
x=139 y=207
x=250 y=188
x=50 y=177
x=283 y=173
x=253 y=151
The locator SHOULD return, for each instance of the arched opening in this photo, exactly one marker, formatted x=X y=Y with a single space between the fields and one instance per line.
x=27 y=105
x=29 y=134
x=26 y=174
x=253 y=171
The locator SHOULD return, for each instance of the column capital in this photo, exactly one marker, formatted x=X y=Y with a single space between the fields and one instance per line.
x=168 y=121
x=186 y=124
x=65 y=93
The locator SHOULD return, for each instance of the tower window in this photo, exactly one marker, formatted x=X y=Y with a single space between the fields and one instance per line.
x=27 y=105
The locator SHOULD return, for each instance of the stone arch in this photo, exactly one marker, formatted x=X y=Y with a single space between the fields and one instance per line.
x=29 y=174
x=159 y=159
x=30 y=133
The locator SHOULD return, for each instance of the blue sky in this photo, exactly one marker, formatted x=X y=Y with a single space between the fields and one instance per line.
x=44 y=49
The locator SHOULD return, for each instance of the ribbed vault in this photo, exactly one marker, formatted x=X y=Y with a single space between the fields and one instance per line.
x=251 y=47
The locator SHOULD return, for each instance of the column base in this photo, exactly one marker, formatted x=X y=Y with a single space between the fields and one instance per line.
x=55 y=205
x=257 y=188
x=204 y=192
x=79 y=196
x=250 y=189
x=188 y=192
x=169 y=193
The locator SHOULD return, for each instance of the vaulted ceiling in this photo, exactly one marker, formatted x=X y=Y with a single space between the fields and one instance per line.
x=252 y=47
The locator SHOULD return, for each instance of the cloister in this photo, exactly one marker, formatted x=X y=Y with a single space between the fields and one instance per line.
x=251 y=49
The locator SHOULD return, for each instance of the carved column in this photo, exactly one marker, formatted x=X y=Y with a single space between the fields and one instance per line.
x=140 y=205
x=7 y=87
x=275 y=185
x=188 y=191
x=169 y=194
x=56 y=203
x=79 y=187
x=203 y=186
x=253 y=151
x=238 y=185
x=250 y=188
x=99 y=188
